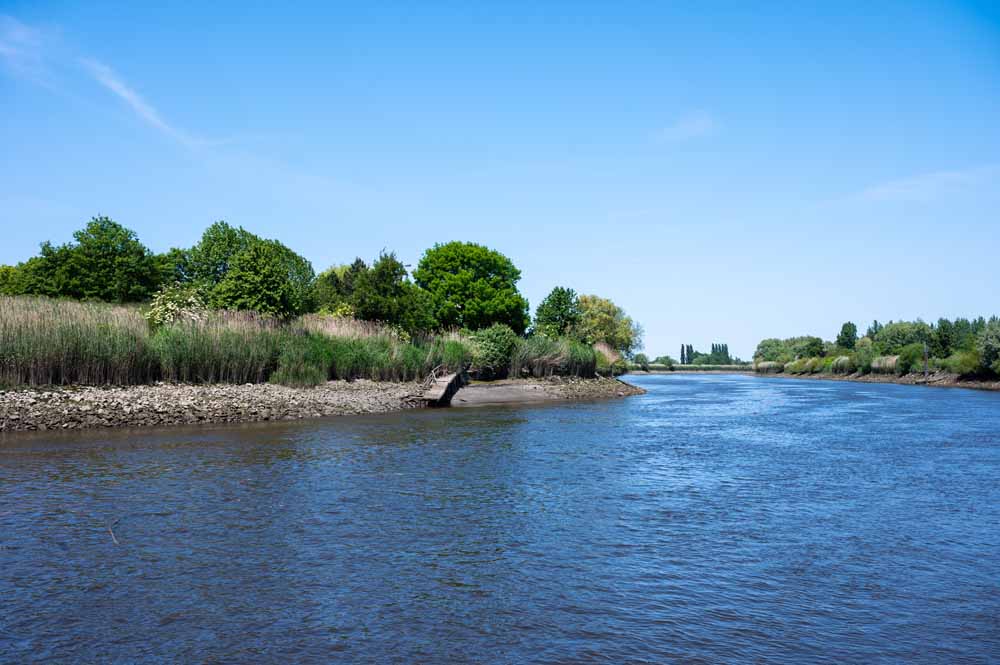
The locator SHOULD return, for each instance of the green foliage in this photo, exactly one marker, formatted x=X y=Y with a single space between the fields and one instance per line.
x=988 y=345
x=174 y=266
x=8 y=280
x=107 y=262
x=911 y=358
x=558 y=313
x=666 y=361
x=864 y=354
x=963 y=363
x=771 y=350
x=383 y=293
x=472 y=287
x=848 y=336
x=641 y=361
x=603 y=321
x=894 y=336
x=267 y=278
x=493 y=349
x=209 y=260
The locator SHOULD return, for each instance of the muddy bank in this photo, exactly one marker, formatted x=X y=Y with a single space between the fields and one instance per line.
x=528 y=391
x=939 y=379
x=172 y=404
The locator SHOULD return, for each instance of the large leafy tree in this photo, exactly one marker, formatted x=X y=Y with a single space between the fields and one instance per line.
x=558 y=313
x=472 y=287
x=266 y=277
x=107 y=262
x=603 y=321
x=383 y=293
x=209 y=261
x=848 y=336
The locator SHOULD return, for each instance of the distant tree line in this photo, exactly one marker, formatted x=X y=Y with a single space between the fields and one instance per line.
x=719 y=355
x=968 y=347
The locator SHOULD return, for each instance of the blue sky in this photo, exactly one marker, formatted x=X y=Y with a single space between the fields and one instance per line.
x=725 y=172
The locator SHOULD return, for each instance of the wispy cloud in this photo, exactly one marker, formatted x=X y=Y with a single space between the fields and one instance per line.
x=21 y=49
x=927 y=187
x=691 y=126
x=113 y=82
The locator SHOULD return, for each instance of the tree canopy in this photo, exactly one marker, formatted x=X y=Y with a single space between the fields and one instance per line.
x=558 y=313
x=472 y=287
x=603 y=321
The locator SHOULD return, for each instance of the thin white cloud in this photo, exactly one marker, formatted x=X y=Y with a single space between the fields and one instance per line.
x=110 y=80
x=691 y=126
x=21 y=48
x=929 y=186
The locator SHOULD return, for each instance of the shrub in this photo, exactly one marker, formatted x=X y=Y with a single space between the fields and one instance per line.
x=641 y=361
x=963 y=363
x=911 y=359
x=176 y=302
x=864 y=355
x=769 y=367
x=493 y=350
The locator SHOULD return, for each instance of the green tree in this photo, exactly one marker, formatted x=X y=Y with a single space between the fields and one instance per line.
x=642 y=361
x=210 y=259
x=383 y=293
x=873 y=329
x=848 y=336
x=558 y=313
x=603 y=321
x=472 y=287
x=894 y=336
x=988 y=345
x=174 y=266
x=107 y=263
x=8 y=280
x=266 y=277
x=943 y=339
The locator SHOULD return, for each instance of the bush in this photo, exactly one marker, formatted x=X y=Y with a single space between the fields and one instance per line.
x=963 y=363
x=176 y=302
x=493 y=350
x=844 y=365
x=911 y=359
x=769 y=367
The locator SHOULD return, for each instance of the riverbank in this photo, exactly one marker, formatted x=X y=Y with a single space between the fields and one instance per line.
x=939 y=379
x=176 y=404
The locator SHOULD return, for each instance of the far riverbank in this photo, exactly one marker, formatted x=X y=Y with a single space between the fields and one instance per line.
x=938 y=379
x=164 y=404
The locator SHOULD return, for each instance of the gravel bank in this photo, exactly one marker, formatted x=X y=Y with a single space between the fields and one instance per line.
x=169 y=404
x=172 y=404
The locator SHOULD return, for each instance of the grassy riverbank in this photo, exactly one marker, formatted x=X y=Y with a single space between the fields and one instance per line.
x=48 y=342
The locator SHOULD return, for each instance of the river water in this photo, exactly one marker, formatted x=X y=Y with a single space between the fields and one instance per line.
x=715 y=519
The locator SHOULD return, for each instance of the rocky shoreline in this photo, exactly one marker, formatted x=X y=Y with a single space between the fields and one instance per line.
x=176 y=404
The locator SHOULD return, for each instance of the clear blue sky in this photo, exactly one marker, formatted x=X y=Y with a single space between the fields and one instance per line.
x=724 y=171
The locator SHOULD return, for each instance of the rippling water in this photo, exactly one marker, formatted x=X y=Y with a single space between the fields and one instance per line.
x=715 y=519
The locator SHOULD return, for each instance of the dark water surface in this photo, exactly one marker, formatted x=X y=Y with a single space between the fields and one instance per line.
x=716 y=519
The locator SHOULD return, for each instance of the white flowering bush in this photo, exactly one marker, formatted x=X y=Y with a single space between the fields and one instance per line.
x=177 y=302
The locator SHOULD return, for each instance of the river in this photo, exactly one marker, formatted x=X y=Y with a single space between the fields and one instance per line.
x=715 y=519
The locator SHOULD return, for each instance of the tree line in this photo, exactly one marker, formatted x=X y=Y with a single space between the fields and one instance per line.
x=456 y=285
x=967 y=347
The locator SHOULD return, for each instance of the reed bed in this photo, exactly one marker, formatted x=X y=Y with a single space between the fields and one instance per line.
x=542 y=356
x=56 y=342
x=61 y=342
x=884 y=364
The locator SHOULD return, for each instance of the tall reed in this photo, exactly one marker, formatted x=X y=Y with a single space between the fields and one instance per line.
x=62 y=342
